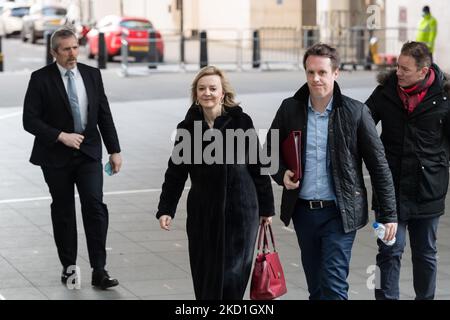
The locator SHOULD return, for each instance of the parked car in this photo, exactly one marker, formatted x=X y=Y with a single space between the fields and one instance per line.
x=42 y=18
x=137 y=30
x=11 y=18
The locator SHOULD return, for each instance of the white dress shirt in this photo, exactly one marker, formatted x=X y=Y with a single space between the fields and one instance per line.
x=81 y=91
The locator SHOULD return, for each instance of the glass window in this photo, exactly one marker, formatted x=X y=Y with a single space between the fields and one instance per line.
x=20 y=11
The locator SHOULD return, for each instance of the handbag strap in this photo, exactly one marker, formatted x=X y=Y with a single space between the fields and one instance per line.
x=263 y=242
x=271 y=237
x=260 y=236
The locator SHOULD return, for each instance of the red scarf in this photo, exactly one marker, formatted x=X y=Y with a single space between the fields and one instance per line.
x=414 y=95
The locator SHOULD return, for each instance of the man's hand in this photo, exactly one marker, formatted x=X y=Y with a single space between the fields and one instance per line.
x=391 y=230
x=164 y=222
x=287 y=180
x=71 y=140
x=116 y=162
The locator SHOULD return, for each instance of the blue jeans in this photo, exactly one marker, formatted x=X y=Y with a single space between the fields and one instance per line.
x=325 y=251
x=422 y=235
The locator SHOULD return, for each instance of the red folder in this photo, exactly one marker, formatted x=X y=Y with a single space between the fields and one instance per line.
x=291 y=152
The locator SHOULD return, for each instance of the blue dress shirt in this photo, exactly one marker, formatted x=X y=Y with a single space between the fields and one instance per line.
x=317 y=177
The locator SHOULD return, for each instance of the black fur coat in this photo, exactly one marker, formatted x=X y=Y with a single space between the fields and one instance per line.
x=223 y=209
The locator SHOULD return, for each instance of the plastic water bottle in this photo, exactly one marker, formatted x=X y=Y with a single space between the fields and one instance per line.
x=380 y=229
x=108 y=169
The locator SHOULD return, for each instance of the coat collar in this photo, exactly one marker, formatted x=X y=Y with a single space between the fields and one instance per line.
x=195 y=113
x=88 y=84
x=389 y=79
x=63 y=70
x=59 y=84
x=389 y=82
x=303 y=94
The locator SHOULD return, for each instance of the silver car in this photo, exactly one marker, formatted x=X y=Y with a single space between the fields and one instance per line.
x=11 y=19
x=42 y=18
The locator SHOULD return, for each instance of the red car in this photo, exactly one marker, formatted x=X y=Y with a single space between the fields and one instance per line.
x=138 y=38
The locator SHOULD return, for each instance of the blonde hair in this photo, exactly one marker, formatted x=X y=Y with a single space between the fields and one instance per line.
x=229 y=95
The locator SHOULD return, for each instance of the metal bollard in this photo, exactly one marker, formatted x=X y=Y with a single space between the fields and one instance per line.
x=102 y=54
x=256 y=59
x=369 y=57
x=203 y=49
x=182 y=49
x=360 y=46
x=48 y=46
x=1 y=55
x=152 y=50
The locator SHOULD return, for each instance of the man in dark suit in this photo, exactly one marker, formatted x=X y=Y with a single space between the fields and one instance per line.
x=64 y=107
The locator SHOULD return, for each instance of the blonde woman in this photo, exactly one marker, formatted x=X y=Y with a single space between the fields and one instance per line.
x=226 y=201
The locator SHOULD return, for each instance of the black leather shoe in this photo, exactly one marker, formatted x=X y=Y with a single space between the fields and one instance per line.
x=102 y=280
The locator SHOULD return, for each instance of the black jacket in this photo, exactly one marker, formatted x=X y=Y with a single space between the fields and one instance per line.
x=223 y=206
x=352 y=137
x=417 y=145
x=47 y=113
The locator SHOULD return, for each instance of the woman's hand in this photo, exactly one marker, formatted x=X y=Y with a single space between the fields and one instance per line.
x=164 y=222
x=265 y=220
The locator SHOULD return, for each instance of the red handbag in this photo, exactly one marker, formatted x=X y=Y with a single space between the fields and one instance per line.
x=268 y=280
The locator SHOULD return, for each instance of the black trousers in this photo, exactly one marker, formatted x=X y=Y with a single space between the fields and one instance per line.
x=87 y=175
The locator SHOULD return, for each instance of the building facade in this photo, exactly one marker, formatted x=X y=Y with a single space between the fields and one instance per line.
x=407 y=14
x=397 y=19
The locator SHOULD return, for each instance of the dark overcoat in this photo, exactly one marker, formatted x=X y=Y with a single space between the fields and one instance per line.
x=416 y=144
x=223 y=207
x=352 y=138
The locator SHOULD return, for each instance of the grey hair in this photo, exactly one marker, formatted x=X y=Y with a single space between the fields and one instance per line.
x=61 y=33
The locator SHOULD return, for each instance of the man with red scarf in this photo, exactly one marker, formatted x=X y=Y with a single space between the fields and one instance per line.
x=413 y=106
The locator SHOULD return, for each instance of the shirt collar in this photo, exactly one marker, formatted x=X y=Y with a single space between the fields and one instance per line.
x=64 y=70
x=328 y=109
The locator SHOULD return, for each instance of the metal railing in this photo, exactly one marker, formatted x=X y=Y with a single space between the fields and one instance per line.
x=266 y=48
x=359 y=46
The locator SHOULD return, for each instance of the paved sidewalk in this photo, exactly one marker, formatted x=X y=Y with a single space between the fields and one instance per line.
x=149 y=263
